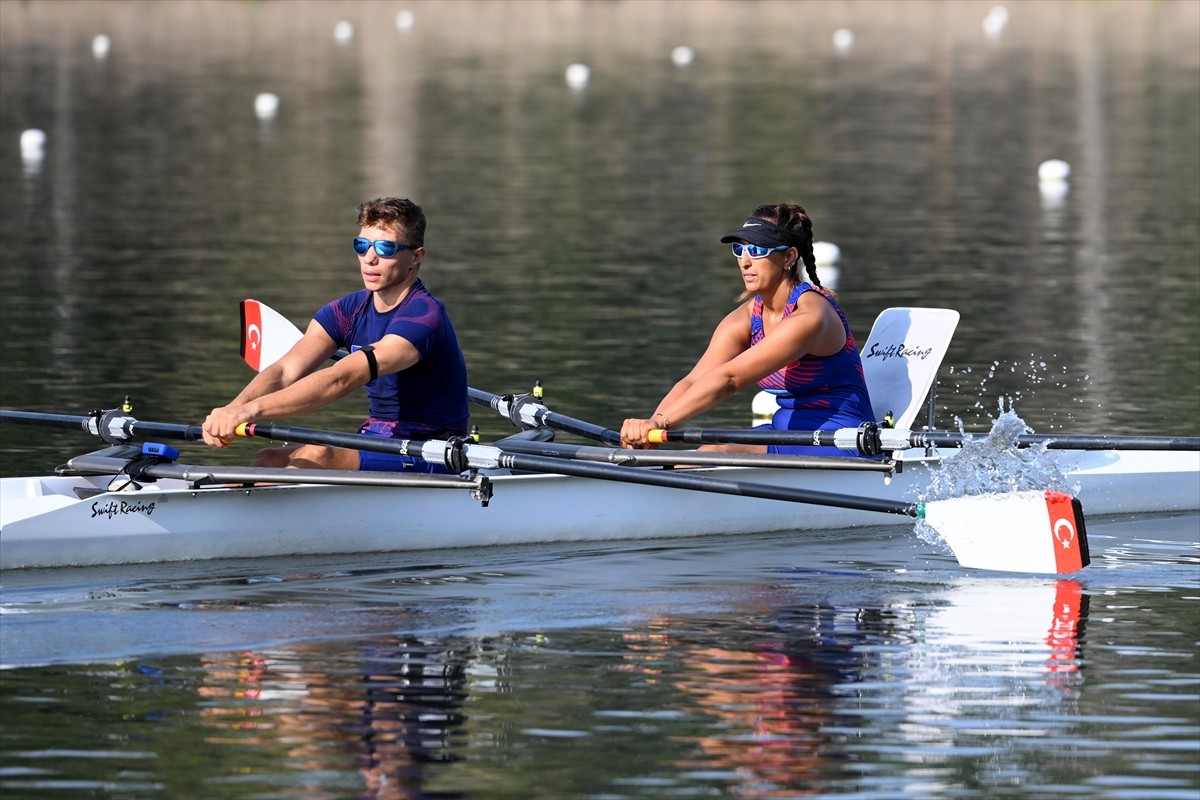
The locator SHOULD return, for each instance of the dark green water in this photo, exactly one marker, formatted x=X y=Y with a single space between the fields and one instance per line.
x=573 y=237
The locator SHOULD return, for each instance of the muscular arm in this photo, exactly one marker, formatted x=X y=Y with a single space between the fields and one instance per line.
x=730 y=364
x=294 y=384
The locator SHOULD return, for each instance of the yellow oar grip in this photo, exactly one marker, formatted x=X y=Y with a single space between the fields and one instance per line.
x=243 y=429
x=657 y=436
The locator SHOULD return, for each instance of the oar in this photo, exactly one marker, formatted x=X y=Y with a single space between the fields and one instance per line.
x=705 y=458
x=526 y=412
x=873 y=440
x=112 y=426
x=267 y=335
x=1028 y=531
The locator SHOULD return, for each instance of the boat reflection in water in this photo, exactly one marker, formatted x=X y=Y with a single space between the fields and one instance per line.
x=770 y=702
x=798 y=700
x=997 y=650
x=392 y=711
x=808 y=680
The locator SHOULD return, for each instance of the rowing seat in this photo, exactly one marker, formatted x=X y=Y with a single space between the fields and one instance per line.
x=900 y=360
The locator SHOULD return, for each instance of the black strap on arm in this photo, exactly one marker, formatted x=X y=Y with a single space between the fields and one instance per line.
x=372 y=364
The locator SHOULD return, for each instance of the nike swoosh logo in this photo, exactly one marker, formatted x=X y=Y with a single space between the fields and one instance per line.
x=752 y=224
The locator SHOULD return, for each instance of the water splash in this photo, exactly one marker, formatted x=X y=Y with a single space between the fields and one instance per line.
x=994 y=463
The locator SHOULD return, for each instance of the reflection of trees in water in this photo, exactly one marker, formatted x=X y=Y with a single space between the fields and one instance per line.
x=394 y=706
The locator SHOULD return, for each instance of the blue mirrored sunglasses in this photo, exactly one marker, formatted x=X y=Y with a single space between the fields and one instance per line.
x=755 y=250
x=385 y=248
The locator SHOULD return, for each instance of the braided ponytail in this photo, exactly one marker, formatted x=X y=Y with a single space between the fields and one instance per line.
x=793 y=217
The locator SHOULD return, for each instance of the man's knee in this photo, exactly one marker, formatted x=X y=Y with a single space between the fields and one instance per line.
x=307 y=456
x=276 y=457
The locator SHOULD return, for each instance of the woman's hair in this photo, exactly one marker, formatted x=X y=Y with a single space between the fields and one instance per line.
x=793 y=217
x=396 y=213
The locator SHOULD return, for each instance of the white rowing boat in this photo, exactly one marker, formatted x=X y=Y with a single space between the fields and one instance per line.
x=132 y=505
x=109 y=518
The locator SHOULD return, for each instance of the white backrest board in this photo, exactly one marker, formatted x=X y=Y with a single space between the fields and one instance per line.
x=901 y=358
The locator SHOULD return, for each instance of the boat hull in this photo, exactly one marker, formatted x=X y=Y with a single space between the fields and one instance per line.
x=43 y=523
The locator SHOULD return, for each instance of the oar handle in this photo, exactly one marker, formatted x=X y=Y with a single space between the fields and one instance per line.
x=846 y=438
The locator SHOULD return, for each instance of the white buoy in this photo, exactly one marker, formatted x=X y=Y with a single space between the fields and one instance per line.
x=763 y=407
x=578 y=76
x=266 y=105
x=101 y=45
x=33 y=144
x=1052 y=181
x=843 y=39
x=827 y=255
x=1053 y=170
x=682 y=56
x=405 y=20
x=995 y=22
x=343 y=31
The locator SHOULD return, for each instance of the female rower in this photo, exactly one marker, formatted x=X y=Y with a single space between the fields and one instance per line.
x=787 y=334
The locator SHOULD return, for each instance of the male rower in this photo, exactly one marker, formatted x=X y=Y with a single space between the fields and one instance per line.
x=403 y=349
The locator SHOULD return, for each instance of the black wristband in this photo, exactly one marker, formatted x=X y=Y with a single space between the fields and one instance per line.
x=373 y=365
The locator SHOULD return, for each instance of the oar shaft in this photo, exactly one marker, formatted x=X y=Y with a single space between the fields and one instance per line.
x=895 y=439
x=706 y=458
x=1078 y=441
x=525 y=412
x=46 y=420
x=677 y=480
x=743 y=436
x=111 y=426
